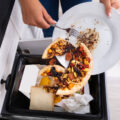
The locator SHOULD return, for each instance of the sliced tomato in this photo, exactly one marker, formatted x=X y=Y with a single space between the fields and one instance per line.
x=83 y=54
x=86 y=66
x=72 y=65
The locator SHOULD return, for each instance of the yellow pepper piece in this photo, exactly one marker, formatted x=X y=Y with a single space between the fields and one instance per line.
x=68 y=79
x=57 y=99
x=75 y=74
x=86 y=62
x=65 y=76
x=70 y=85
x=61 y=43
x=45 y=81
x=44 y=74
x=72 y=69
x=73 y=61
x=50 y=51
x=69 y=69
x=86 y=70
x=82 y=74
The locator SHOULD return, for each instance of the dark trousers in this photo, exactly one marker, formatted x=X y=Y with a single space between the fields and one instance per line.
x=52 y=8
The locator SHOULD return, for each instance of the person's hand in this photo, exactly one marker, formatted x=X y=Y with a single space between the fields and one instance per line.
x=35 y=14
x=109 y=4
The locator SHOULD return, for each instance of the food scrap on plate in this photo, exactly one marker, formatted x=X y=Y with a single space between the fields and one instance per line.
x=90 y=37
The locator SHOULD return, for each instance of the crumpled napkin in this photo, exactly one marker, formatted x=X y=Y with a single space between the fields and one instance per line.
x=77 y=103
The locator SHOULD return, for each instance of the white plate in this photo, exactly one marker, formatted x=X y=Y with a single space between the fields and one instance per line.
x=92 y=15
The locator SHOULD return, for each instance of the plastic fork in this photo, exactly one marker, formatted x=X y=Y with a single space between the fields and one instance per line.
x=71 y=31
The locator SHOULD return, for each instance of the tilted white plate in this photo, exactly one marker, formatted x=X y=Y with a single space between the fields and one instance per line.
x=92 y=15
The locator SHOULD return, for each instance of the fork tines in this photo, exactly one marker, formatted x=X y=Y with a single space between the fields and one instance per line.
x=74 y=32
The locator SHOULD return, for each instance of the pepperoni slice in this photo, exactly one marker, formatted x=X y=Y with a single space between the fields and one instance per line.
x=68 y=56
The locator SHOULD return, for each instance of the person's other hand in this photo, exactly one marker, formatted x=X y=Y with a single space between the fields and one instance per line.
x=109 y=4
x=35 y=14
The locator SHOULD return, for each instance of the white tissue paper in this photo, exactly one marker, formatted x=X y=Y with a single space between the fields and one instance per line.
x=77 y=103
x=29 y=79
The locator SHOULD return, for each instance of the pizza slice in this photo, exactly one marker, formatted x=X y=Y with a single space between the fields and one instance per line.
x=57 y=48
x=51 y=77
x=78 y=72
